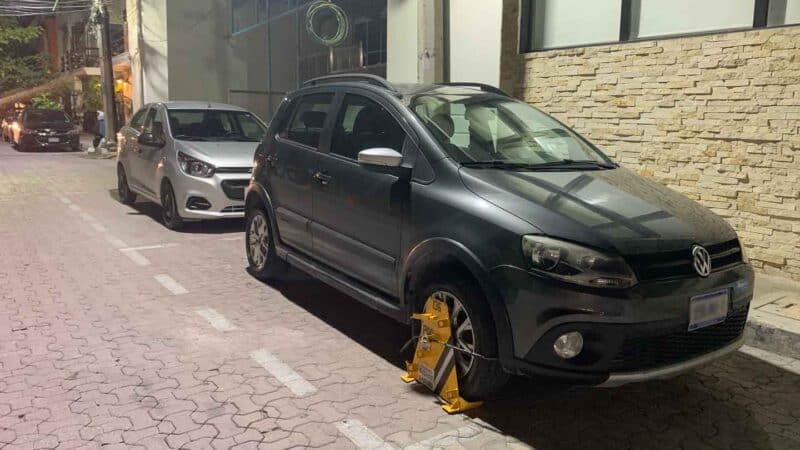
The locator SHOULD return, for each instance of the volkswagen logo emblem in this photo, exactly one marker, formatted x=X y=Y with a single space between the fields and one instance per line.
x=701 y=261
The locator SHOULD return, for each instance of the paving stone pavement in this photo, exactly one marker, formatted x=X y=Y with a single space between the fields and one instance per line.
x=95 y=351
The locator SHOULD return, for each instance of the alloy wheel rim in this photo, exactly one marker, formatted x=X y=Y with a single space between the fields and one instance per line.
x=258 y=240
x=462 y=333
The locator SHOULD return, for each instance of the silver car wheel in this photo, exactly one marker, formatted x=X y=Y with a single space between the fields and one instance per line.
x=258 y=240
x=462 y=333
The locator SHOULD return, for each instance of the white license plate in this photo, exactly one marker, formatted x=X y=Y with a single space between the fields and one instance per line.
x=53 y=140
x=708 y=309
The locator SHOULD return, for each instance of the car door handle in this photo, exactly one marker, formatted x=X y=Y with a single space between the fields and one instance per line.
x=322 y=178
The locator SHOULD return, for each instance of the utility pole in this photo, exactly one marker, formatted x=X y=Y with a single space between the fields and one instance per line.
x=100 y=21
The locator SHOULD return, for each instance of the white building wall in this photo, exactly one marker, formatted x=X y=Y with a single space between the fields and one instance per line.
x=153 y=51
x=475 y=32
x=402 y=24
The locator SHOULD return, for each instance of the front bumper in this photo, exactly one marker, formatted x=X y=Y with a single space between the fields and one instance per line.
x=629 y=335
x=35 y=142
x=224 y=192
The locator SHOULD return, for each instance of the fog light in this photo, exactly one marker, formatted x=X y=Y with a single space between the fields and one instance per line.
x=568 y=345
x=198 y=203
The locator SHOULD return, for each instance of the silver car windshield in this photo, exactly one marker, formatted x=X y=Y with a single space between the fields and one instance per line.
x=479 y=129
x=215 y=125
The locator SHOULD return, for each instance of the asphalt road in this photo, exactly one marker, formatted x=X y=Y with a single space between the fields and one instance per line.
x=115 y=331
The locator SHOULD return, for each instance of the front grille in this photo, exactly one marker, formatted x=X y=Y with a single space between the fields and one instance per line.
x=678 y=264
x=232 y=209
x=640 y=353
x=234 y=189
x=45 y=139
x=234 y=169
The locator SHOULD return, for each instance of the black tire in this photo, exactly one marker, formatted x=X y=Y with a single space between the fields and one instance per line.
x=126 y=197
x=267 y=266
x=484 y=376
x=169 y=207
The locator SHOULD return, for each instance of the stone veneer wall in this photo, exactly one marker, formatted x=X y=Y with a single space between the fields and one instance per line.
x=715 y=117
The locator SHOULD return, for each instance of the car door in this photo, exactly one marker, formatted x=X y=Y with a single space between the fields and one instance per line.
x=130 y=149
x=357 y=212
x=150 y=155
x=292 y=161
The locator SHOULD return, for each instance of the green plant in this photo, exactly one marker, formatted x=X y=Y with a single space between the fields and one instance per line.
x=20 y=63
x=43 y=101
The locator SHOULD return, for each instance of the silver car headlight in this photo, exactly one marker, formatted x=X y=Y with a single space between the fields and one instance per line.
x=195 y=167
x=576 y=264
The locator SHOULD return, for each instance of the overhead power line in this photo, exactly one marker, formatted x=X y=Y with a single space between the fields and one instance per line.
x=21 y=8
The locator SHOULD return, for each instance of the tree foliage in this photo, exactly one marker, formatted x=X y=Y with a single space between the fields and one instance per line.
x=20 y=65
x=43 y=101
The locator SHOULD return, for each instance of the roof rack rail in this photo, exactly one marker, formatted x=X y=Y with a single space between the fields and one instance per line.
x=481 y=86
x=351 y=77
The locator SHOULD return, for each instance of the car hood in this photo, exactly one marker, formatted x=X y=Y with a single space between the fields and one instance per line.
x=609 y=209
x=220 y=154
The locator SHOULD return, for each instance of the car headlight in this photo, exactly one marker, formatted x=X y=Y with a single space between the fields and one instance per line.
x=195 y=167
x=576 y=264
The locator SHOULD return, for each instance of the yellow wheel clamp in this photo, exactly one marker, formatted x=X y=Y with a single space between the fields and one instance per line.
x=434 y=359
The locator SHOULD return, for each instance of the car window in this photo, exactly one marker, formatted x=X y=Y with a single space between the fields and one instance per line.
x=363 y=124
x=47 y=116
x=215 y=125
x=137 y=123
x=148 y=121
x=308 y=118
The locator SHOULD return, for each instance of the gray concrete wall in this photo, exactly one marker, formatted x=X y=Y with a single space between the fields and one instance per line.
x=153 y=51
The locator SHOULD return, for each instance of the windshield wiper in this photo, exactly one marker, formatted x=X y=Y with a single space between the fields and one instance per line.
x=184 y=137
x=560 y=164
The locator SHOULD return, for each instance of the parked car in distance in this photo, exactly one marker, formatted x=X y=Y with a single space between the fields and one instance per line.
x=44 y=130
x=553 y=260
x=192 y=158
x=7 y=124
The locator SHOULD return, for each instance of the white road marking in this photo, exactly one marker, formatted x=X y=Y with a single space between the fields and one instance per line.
x=285 y=374
x=233 y=238
x=149 y=247
x=98 y=227
x=88 y=217
x=216 y=319
x=74 y=207
x=136 y=257
x=116 y=242
x=170 y=284
x=360 y=435
x=784 y=362
x=64 y=200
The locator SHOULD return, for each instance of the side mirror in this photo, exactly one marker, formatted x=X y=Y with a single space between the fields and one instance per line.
x=150 y=140
x=384 y=160
x=382 y=157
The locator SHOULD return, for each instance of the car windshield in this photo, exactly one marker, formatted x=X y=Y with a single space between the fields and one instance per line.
x=494 y=131
x=46 y=116
x=215 y=125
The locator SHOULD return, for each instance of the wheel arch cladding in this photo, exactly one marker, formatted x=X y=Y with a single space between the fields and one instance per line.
x=439 y=254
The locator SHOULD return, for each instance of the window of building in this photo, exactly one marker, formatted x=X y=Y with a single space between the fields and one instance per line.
x=364 y=124
x=248 y=13
x=564 y=23
x=783 y=12
x=308 y=119
x=651 y=18
x=549 y=24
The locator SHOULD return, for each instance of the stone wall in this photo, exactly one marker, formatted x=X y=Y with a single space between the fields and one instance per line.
x=715 y=117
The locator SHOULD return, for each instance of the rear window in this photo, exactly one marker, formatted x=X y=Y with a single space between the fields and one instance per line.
x=307 y=119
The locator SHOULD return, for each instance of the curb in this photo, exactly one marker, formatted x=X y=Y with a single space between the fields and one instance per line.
x=773 y=333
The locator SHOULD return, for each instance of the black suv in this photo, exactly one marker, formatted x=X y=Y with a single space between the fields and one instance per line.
x=554 y=260
x=46 y=129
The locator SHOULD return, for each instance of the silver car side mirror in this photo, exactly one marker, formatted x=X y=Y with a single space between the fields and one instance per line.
x=379 y=156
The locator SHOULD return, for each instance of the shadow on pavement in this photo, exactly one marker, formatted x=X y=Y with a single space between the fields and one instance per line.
x=153 y=211
x=737 y=402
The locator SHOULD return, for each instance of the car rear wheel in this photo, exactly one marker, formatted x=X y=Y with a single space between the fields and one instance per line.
x=169 y=207
x=264 y=263
x=125 y=195
x=472 y=334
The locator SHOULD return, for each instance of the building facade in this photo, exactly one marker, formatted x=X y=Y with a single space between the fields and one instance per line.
x=704 y=97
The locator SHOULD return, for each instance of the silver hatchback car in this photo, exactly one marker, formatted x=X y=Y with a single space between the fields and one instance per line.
x=192 y=158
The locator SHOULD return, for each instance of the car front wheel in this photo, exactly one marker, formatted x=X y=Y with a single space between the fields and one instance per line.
x=125 y=195
x=169 y=207
x=472 y=334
